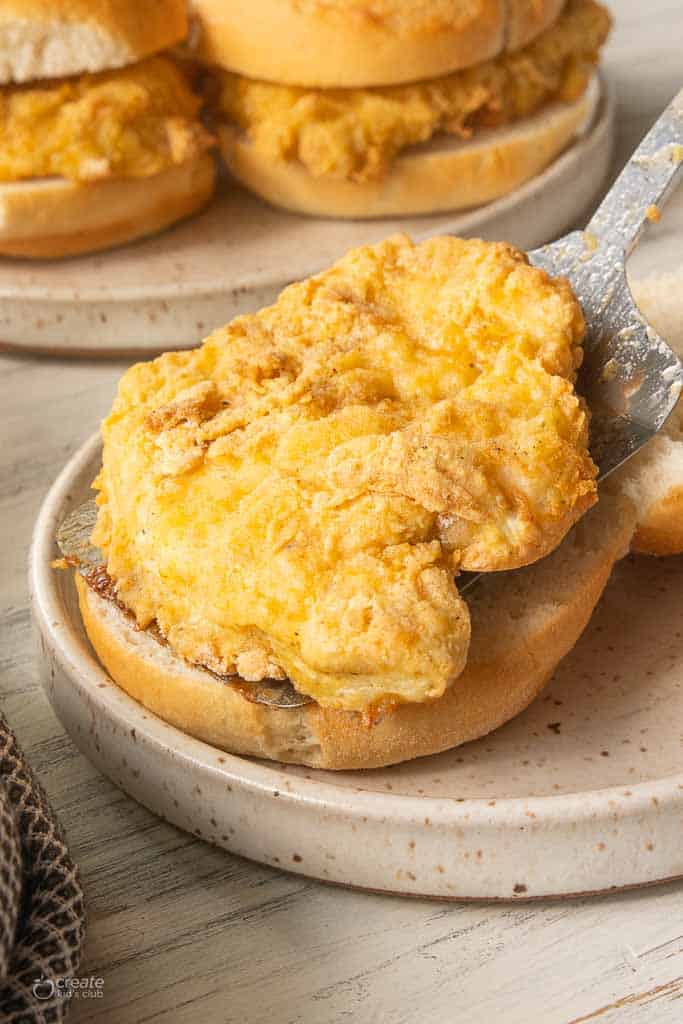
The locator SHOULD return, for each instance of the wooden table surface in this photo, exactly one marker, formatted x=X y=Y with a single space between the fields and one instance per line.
x=184 y=932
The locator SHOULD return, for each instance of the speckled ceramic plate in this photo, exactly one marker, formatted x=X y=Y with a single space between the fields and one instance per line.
x=581 y=793
x=170 y=291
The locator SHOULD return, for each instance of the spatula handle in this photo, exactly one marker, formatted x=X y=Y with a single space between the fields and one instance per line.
x=644 y=184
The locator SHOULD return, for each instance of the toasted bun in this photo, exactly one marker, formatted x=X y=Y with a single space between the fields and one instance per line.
x=654 y=479
x=54 y=38
x=444 y=174
x=662 y=533
x=523 y=623
x=344 y=43
x=52 y=217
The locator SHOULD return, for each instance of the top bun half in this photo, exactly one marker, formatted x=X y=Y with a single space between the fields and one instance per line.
x=361 y=43
x=55 y=38
x=525 y=19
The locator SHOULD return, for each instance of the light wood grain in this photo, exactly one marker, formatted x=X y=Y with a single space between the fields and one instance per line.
x=182 y=932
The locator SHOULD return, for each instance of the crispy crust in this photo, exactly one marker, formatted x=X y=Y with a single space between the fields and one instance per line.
x=362 y=490
x=53 y=38
x=523 y=624
x=446 y=174
x=657 y=494
x=52 y=218
x=343 y=43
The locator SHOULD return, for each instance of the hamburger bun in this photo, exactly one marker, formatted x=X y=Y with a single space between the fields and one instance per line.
x=53 y=217
x=662 y=532
x=56 y=38
x=654 y=478
x=346 y=43
x=444 y=174
x=523 y=624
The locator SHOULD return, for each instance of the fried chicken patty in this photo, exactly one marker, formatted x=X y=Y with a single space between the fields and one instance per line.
x=295 y=497
x=355 y=134
x=130 y=123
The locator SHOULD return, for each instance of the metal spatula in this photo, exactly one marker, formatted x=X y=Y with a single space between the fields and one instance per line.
x=630 y=378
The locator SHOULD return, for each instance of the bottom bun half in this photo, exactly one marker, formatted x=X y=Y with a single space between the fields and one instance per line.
x=445 y=174
x=53 y=217
x=523 y=624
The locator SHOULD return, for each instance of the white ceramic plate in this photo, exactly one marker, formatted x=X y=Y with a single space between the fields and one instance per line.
x=170 y=291
x=581 y=793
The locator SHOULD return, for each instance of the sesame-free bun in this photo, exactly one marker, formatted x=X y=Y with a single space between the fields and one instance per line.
x=55 y=38
x=443 y=174
x=52 y=217
x=345 y=43
x=523 y=623
x=526 y=19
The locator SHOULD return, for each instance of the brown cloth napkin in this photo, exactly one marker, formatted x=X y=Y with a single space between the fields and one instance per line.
x=42 y=920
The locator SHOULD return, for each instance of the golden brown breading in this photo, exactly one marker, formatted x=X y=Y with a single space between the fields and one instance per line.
x=354 y=134
x=132 y=123
x=295 y=496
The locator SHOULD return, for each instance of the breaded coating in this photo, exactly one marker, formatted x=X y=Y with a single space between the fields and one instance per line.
x=355 y=134
x=131 y=123
x=295 y=497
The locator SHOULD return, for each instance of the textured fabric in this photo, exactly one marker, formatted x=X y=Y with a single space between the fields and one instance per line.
x=41 y=901
x=10 y=881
